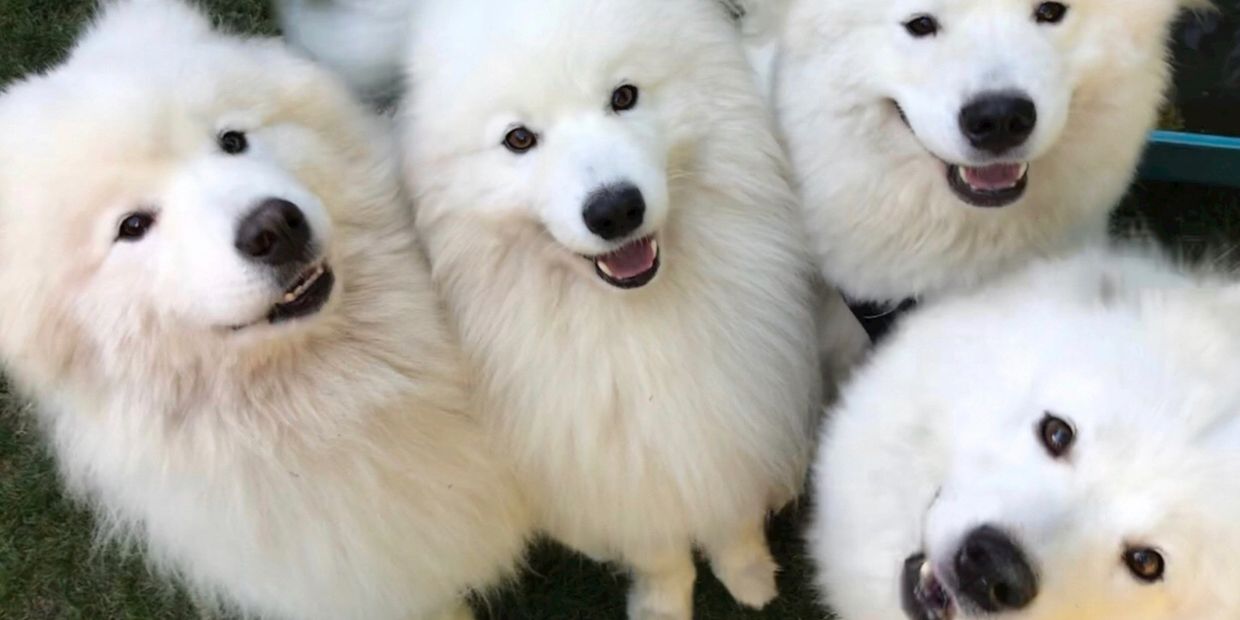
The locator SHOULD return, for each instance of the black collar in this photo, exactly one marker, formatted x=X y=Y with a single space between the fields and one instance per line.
x=878 y=318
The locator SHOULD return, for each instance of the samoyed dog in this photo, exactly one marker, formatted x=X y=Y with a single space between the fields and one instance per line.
x=939 y=144
x=1062 y=445
x=605 y=209
x=209 y=283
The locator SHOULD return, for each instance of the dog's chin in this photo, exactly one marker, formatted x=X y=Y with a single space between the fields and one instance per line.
x=303 y=299
x=989 y=186
x=924 y=595
x=631 y=266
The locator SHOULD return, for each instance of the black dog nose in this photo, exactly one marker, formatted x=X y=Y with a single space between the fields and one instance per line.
x=994 y=573
x=999 y=122
x=275 y=233
x=615 y=212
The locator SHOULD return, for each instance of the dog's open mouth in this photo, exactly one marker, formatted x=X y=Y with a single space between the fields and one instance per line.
x=924 y=595
x=631 y=266
x=307 y=295
x=997 y=185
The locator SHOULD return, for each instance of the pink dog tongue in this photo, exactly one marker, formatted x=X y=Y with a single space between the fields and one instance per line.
x=630 y=261
x=999 y=176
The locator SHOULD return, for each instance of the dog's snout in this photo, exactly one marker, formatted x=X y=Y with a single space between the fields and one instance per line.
x=615 y=212
x=994 y=573
x=275 y=233
x=999 y=122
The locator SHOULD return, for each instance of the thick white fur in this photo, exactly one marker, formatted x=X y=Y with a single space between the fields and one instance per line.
x=885 y=224
x=362 y=40
x=331 y=468
x=648 y=421
x=938 y=436
x=761 y=23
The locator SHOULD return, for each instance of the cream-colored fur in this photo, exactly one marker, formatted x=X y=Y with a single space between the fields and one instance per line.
x=885 y=224
x=644 y=422
x=329 y=468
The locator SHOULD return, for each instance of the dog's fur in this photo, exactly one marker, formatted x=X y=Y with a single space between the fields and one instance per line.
x=367 y=40
x=939 y=436
x=330 y=467
x=643 y=421
x=884 y=221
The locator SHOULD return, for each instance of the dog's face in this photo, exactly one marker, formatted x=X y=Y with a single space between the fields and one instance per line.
x=167 y=185
x=594 y=172
x=565 y=117
x=1086 y=471
x=987 y=87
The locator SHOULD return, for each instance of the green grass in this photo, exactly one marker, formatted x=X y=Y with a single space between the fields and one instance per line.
x=50 y=568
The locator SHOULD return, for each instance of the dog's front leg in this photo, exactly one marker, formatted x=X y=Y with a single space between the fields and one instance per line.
x=742 y=561
x=662 y=585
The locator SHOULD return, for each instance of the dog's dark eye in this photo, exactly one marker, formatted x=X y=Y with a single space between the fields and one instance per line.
x=624 y=98
x=922 y=26
x=1146 y=564
x=520 y=140
x=1050 y=12
x=1057 y=435
x=233 y=142
x=135 y=226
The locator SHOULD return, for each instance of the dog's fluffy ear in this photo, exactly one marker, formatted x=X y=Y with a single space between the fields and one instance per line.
x=142 y=27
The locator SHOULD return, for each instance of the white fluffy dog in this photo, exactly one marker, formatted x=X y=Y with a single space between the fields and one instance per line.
x=938 y=144
x=605 y=208
x=1062 y=445
x=208 y=280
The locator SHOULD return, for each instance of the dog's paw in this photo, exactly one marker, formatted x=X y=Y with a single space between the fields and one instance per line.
x=663 y=596
x=751 y=583
x=662 y=585
x=647 y=605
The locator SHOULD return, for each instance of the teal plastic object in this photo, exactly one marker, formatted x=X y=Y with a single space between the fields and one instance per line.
x=1179 y=157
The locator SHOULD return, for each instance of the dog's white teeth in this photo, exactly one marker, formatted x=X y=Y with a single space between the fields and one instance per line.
x=1024 y=169
x=654 y=247
x=927 y=571
x=964 y=176
x=301 y=289
x=602 y=266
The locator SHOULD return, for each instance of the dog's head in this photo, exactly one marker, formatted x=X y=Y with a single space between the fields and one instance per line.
x=988 y=87
x=1087 y=444
x=168 y=187
x=564 y=117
